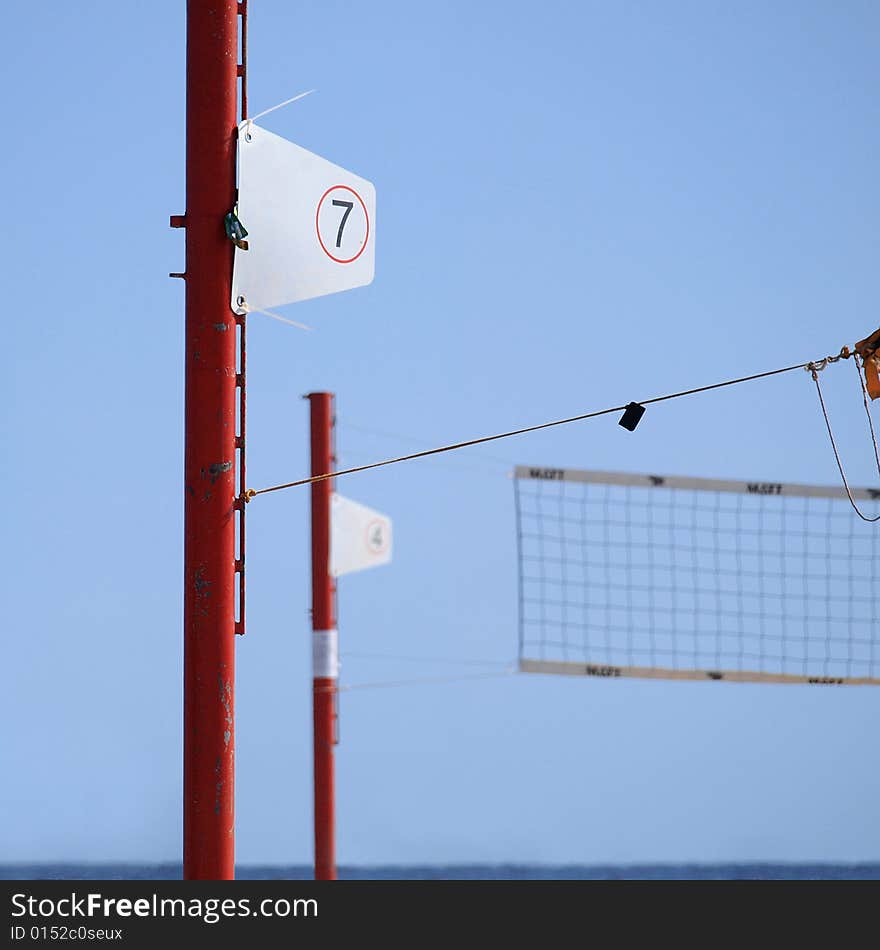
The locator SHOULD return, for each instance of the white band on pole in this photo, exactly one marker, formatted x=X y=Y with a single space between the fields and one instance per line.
x=325 y=654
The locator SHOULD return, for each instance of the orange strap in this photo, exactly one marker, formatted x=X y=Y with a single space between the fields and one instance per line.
x=869 y=350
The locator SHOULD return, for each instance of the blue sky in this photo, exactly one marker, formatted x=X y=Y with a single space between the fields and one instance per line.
x=579 y=204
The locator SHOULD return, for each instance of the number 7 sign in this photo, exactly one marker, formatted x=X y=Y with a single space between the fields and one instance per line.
x=345 y=243
x=311 y=224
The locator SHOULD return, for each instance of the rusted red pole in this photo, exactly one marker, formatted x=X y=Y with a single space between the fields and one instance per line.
x=324 y=637
x=209 y=454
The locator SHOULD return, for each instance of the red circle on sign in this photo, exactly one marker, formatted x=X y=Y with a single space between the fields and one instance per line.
x=342 y=260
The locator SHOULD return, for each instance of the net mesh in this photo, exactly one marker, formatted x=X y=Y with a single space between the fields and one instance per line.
x=620 y=579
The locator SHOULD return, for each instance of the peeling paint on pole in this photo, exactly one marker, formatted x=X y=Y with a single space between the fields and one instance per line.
x=209 y=536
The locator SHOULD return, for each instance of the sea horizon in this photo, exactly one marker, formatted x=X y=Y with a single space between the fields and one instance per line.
x=506 y=871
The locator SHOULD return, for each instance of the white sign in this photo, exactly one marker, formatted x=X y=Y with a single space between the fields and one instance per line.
x=311 y=225
x=359 y=537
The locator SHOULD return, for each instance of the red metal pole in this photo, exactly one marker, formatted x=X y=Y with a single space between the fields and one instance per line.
x=209 y=468
x=324 y=638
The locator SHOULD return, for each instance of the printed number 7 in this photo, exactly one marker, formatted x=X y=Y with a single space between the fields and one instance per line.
x=348 y=205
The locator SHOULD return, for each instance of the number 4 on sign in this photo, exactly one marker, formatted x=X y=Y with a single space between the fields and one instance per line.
x=311 y=224
x=359 y=537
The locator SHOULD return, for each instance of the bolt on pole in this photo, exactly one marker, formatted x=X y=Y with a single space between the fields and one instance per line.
x=209 y=454
x=325 y=664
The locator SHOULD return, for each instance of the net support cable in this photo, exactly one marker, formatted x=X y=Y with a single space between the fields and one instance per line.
x=814 y=367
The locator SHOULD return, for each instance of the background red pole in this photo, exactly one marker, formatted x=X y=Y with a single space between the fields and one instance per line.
x=324 y=642
x=209 y=469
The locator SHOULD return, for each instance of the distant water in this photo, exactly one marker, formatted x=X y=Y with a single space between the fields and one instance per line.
x=459 y=872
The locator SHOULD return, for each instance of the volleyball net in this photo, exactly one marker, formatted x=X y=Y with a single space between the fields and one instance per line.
x=665 y=577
